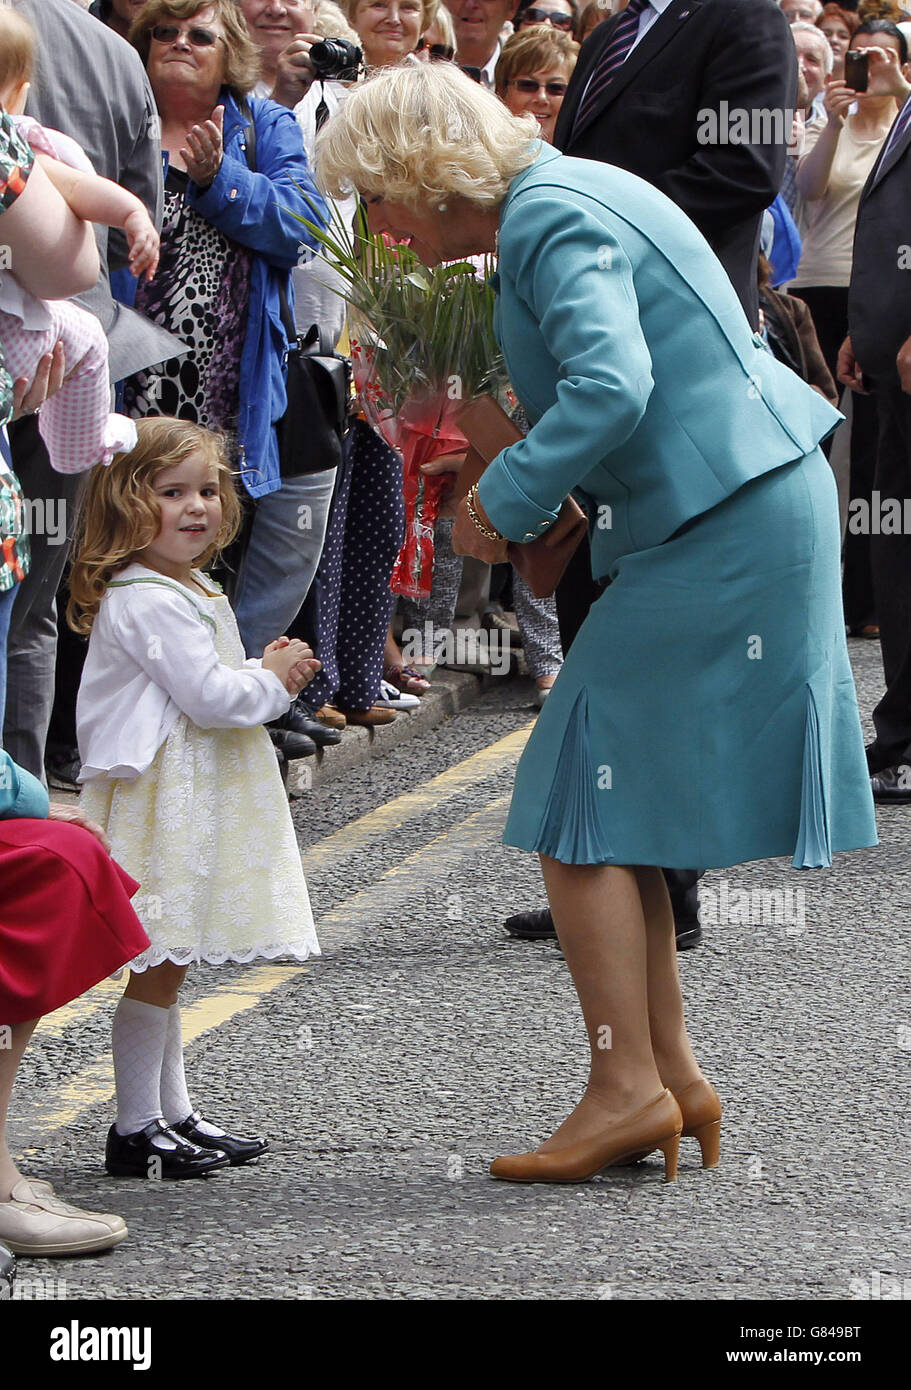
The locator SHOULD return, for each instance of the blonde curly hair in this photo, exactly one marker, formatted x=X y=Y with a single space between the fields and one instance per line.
x=121 y=515
x=331 y=23
x=420 y=133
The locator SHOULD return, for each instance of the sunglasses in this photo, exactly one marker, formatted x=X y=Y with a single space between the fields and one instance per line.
x=558 y=20
x=198 y=38
x=439 y=52
x=530 y=87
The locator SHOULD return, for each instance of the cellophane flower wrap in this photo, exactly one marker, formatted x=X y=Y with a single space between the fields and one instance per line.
x=422 y=346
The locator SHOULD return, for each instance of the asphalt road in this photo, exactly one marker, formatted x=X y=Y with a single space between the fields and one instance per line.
x=425 y=1042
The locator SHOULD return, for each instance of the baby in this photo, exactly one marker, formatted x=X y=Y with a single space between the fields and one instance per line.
x=76 y=424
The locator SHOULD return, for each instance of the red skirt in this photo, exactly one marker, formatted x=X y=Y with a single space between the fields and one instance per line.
x=65 y=916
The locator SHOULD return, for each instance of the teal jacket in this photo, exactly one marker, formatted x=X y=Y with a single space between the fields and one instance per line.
x=647 y=392
x=21 y=795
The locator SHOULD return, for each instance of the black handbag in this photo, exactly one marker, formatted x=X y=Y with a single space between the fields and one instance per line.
x=313 y=429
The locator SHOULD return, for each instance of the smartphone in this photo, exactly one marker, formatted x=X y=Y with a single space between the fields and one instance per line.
x=857 y=69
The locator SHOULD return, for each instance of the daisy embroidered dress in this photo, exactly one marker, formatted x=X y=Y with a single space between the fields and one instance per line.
x=197 y=814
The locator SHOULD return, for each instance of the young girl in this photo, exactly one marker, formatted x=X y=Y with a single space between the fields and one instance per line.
x=179 y=771
x=76 y=424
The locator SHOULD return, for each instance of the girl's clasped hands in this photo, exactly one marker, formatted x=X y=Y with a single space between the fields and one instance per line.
x=292 y=661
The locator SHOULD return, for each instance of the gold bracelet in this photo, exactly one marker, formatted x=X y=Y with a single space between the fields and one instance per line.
x=487 y=531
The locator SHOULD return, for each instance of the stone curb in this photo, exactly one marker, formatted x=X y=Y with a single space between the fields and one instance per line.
x=450 y=692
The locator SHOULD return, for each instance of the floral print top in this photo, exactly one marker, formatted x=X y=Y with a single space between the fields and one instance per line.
x=16 y=160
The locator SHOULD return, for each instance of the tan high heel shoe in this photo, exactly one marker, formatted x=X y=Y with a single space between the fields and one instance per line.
x=657 y=1125
x=701 y=1111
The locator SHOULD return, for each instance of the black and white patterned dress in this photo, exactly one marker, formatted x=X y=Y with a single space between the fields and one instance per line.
x=201 y=293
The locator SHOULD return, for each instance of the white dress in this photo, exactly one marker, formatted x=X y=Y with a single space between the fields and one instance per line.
x=207 y=831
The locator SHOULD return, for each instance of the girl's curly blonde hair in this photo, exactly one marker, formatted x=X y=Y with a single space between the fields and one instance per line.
x=120 y=514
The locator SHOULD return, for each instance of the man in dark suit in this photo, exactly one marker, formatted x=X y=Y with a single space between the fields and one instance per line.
x=702 y=107
x=876 y=356
x=697 y=97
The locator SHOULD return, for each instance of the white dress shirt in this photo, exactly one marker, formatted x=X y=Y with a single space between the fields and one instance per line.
x=490 y=67
x=647 y=18
x=151 y=658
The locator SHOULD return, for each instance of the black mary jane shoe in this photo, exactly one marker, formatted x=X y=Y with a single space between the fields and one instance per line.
x=138 y=1156
x=238 y=1150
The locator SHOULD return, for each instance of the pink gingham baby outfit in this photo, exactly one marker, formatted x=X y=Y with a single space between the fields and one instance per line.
x=76 y=424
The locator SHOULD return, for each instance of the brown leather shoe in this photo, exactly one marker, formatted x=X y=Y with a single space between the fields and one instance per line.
x=701 y=1111
x=656 y=1126
x=330 y=716
x=369 y=718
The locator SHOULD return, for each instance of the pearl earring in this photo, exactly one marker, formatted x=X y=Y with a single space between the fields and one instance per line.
x=442 y=207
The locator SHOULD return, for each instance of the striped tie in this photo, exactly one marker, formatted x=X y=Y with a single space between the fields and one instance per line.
x=898 y=129
x=621 y=41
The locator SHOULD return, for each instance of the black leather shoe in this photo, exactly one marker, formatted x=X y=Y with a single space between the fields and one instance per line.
x=139 y=1156
x=238 y=1150
x=291 y=744
x=892 y=785
x=538 y=925
x=301 y=720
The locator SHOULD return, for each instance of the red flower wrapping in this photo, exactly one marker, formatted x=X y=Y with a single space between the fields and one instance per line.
x=425 y=429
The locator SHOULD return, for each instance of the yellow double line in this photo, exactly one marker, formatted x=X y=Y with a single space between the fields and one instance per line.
x=95 y=1083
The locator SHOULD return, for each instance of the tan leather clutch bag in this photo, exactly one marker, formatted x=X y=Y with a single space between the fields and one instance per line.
x=541 y=562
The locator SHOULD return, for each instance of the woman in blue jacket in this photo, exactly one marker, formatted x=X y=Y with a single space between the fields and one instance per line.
x=230 y=238
x=706 y=712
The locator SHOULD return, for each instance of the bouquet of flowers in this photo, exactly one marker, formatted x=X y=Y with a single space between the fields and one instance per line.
x=422 y=346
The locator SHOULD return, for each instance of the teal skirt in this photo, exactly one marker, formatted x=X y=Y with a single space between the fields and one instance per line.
x=706 y=714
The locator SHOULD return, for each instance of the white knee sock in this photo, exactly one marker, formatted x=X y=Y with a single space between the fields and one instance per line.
x=175 y=1100
x=138 y=1039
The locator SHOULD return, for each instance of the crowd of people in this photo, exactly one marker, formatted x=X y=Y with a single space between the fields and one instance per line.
x=168 y=167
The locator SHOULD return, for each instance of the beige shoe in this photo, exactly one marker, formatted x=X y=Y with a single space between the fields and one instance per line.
x=40 y=1187
x=34 y=1223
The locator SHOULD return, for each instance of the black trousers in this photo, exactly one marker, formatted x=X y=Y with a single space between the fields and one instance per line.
x=576 y=593
x=891 y=562
x=829 y=306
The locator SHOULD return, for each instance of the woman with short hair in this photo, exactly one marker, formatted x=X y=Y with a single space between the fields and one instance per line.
x=533 y=72
x=706 y=711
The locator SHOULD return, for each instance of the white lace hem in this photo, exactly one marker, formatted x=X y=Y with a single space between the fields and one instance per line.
x=157 y=955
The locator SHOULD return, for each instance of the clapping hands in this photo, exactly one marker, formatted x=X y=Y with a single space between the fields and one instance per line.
x=205 y=149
